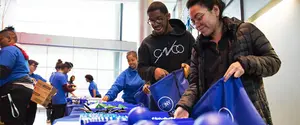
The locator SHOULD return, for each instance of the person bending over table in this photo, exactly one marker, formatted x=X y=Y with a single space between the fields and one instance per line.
x=129 y=81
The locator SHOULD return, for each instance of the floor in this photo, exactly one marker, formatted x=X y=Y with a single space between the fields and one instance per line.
x=40 y=118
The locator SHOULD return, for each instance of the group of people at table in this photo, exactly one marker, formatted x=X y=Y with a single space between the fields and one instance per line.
x=226 y=47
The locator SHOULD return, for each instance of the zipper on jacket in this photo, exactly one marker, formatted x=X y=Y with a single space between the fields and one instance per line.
x=217 y=48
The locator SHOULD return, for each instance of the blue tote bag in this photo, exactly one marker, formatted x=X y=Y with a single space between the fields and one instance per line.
x=167 y=91
x=230 y=98
x=141 y=98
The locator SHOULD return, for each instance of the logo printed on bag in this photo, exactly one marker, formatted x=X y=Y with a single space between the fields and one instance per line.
x=227 y=112
x=165 y=103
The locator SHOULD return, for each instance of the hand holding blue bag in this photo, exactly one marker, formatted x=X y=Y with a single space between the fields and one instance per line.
x=167 y=91
x=230 y=98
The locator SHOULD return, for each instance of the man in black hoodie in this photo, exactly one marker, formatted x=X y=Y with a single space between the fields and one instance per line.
x=168 y=48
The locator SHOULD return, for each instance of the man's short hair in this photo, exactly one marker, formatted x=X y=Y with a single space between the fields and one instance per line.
x=158 y=6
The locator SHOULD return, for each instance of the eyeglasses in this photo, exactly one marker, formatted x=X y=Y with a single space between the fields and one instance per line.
x=198 y=18
x=159 y=20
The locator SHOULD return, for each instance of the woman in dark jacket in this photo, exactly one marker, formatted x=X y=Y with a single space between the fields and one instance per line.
x=227 y=47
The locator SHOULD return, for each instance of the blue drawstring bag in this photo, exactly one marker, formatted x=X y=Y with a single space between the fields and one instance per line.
x=141 y=98
x=167 y=91
x=230 y=98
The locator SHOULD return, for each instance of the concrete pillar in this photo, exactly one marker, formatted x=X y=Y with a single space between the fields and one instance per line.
x=145 y=29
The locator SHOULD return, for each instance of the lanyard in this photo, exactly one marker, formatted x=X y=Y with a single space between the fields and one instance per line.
x=14 y=111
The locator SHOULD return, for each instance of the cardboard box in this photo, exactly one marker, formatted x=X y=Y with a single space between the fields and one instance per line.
x=43 y=93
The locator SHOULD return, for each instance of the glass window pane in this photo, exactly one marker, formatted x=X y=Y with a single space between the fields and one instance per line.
x=124 y=62
x=55 y=53
x=80 y=77
x=234 y=9
x=80 y=92
x=37 y=53
x=68 y=18
x=85 y=58
x=105 y=79
x=106 y=59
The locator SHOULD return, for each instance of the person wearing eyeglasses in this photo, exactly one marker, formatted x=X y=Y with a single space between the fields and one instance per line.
x=227 y=47
x=32 y=105
x=167 y=49
x=32 y=67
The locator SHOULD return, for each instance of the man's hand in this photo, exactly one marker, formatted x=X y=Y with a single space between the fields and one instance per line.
x=160 y=73
x=105 y=98
x=236 y=69
x=186 y=69
x=181 y=113
x=146 y=89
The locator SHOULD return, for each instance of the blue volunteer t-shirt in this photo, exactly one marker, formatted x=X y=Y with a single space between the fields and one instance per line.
x=93 y=86
x=37 y=77
x=58 y=80
x=51 y=77
x=12 y=57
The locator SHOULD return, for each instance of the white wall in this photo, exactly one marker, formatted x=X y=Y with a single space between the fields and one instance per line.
x=281 y=26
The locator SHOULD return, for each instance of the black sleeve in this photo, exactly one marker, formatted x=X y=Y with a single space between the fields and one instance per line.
x=145 y=70
x=4 y=72
x=191 y=94
x=267 y=62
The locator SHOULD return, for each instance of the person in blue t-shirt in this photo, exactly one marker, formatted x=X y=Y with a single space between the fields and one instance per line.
x=93 y=89
x=49 y=108
x=60 y=82
x=32 y=105
x=57 y=67
x=16 y=86
x=128 y=81
x=32 y=67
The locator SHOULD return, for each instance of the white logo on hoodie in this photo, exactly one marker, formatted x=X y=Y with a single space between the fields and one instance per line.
x=175 y=49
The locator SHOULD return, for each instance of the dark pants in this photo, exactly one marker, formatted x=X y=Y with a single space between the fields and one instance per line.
x=49 y=112
x=20 y=97
x=31 y=111
x=58 y=111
